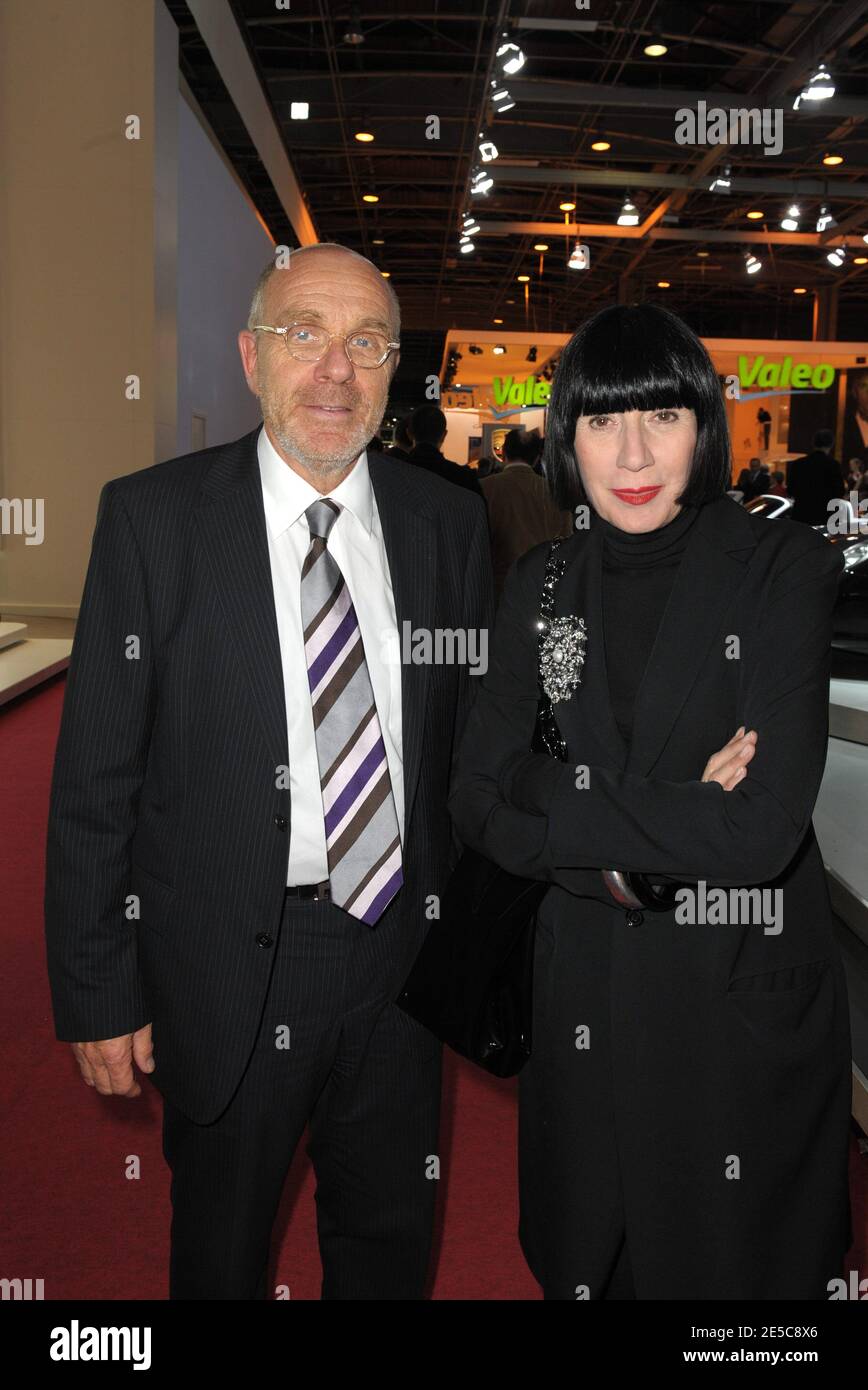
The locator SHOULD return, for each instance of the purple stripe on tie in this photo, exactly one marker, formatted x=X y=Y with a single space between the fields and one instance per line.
x=360 y=778
x=337 y=640
x=383 y=898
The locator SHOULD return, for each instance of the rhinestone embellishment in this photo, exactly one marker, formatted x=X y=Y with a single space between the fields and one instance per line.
x=561 y=656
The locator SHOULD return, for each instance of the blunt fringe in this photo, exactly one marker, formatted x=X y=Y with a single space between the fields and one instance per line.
x=636 y=357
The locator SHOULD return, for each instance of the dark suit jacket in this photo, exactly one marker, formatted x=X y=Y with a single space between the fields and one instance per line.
x=427 y=457
x=725 y=1039
x=753 y=487
x=812 y=482
x=166 y=766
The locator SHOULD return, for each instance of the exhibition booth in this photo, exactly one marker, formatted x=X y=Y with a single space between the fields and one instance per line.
x=777 y=393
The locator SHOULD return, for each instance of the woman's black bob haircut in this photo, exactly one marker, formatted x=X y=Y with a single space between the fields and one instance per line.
x=636 y=357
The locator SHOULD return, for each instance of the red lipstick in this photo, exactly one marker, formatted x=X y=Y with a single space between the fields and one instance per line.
x=636 y=496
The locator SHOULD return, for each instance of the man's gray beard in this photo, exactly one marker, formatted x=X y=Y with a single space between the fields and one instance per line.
x=320 y=465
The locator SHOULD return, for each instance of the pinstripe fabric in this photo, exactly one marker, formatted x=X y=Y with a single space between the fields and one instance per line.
x=167 y=779
x=361 y=822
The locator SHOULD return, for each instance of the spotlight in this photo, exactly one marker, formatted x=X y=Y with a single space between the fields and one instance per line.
x=837 y=257
x=510 y=56
x=481 y=183
x=579 y=258
x=820 y=87
x=475 y=350
x=487 y=149
x=299 y=110
x=825 y=220
x=531 y=356
x=470 y=226
x=790 y=221
x=465 y=247
x=501 y=99
x=722 y=183
x=498 y=349
x=629 y=214
x=752 y=265
x=353 y=32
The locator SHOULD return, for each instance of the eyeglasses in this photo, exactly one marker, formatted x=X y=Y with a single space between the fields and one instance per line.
x=308 y=343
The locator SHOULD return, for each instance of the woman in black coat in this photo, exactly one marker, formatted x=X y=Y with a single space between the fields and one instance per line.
x=684 y=1117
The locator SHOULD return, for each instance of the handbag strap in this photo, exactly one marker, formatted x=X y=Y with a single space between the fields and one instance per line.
x=547 y=737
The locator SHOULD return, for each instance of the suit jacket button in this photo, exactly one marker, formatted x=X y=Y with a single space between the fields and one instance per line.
x=280 y=822
x=263 y=939
x=634 y=918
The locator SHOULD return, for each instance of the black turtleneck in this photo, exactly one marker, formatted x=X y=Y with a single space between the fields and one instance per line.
x=638 y=573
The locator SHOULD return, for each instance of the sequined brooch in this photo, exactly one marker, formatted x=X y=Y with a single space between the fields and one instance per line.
x=561 y=655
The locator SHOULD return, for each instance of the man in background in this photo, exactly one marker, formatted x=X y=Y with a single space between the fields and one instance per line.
x=521 y=512
x=813 y=481
x=427 y=429
x=754 y=480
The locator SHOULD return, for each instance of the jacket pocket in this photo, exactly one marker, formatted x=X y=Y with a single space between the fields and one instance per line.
x=156 y=898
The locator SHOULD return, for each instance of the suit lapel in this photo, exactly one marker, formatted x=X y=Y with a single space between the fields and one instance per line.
x=711 y=571
x=411 y=550
x=231 y=520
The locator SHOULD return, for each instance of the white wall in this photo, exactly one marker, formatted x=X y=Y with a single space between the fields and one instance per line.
x=460 y=425
x=222 y=247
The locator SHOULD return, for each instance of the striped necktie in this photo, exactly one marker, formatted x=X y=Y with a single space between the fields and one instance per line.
x=361 y=824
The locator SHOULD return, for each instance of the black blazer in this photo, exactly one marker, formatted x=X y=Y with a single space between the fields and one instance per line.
x=166 y=766
x=812 y=482
x=721 y=1035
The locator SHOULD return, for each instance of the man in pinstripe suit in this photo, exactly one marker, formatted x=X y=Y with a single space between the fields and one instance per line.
x=248 y=824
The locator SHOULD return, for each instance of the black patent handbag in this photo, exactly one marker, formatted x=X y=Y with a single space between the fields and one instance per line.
x=471 y=984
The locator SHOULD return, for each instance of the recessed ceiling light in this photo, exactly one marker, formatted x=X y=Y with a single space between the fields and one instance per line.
x=755 y=214
x=540 y=246
x=833 y=159
x=663 y=284
x=568 y=207
x=601 y=145
x=522 y=279
x=299 y=110
x=364 y=137
x=370 y=198
x=655 y=50
x=800 y=289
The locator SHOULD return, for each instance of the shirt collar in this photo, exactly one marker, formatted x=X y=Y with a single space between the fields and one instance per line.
x=287 y=495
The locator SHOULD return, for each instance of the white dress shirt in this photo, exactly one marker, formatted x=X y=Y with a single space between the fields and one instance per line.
x=356 y=543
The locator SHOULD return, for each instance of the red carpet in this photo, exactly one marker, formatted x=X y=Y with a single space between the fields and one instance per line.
x=73 y=1216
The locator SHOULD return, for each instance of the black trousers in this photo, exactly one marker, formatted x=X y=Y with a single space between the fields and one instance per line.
x=335 y=1053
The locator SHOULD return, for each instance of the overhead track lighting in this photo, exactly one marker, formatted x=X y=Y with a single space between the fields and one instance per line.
x=722 y=183
x=819 y=88
x=481 y=183
x=510 y=57
x=500 y=98
x=487 y=149
x=790 y=220
x=825 y=220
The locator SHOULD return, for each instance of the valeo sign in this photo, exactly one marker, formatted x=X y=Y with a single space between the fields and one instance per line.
x=758 y=372
x=507 y=390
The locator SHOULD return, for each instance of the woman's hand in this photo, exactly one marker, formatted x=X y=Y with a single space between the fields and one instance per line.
x=729 y=765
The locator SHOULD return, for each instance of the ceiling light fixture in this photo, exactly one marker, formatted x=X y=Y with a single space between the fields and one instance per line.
x=370 y=197
x=655 y=50
x=567 y=207
x=498 y=349
x=481 y=183
x=353 y=33
x=299 y=110
x=722 y=183
x=663 y=284
x=522 y=279
x=500 y=98
x=837 y=257
x=510 y=57
x=600 y=146
x=755 y=214
x=364 y=137
x=487 y=149
x=825 y=220
x=751 y=263
x=790 y=219
x=800 y=289
x=540 y=246
x=832 y=159
x=819 y=88
x=629 y=214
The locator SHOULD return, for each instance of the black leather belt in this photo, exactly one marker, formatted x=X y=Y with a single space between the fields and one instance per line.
x=308 y=890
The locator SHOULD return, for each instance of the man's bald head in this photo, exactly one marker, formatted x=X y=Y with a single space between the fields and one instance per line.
x=320 y=248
